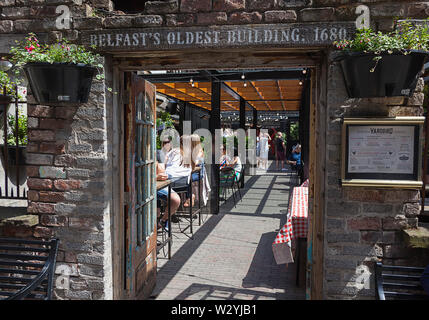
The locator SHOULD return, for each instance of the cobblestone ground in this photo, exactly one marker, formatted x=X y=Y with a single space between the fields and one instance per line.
x=230 y=256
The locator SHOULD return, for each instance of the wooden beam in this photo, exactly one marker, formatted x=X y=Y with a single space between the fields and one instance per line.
x=260 y=96
x=215 y=124
x=280 y=94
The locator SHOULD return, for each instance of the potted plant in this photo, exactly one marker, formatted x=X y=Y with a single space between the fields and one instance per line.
x=384 y=65
x=16 y=133
x=60 y=73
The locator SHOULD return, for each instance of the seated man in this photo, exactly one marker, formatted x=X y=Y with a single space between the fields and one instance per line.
x=163 y=196
x=295 y=159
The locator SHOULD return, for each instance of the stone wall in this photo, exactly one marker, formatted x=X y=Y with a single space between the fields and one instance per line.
x=68 y=158
x=364 y=224
x=67 y=167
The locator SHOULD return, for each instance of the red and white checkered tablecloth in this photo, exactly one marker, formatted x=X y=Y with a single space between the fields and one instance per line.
x=295 y=227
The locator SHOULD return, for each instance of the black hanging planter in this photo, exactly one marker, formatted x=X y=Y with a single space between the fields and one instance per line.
x=11 y=155
x=394 y=74
x=59 y=84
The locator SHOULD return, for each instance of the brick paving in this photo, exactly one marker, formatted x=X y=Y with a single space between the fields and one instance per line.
x=230 y=256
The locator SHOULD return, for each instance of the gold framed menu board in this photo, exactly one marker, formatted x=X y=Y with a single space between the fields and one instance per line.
x=382 y=152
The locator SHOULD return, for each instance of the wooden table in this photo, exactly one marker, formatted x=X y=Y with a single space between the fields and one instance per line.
x=295 y=227
x=161 y=185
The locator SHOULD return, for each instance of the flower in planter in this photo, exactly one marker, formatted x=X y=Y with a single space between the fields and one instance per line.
x=30 y=50
x=59 y=73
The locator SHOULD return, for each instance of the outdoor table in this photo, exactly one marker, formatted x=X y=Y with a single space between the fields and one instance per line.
x=295 y=227
x=161 y=185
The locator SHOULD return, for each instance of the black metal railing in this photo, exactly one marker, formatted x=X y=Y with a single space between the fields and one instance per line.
x=13 y=150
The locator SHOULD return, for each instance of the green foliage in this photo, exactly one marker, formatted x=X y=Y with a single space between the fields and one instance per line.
x=405 y=38
x=165 y=120
x=22 y=130
x=294 y=131
x=30 y=50
x=6 y=82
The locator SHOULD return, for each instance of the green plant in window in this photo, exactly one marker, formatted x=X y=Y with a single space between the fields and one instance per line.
x=12 y=130
x=294 y=131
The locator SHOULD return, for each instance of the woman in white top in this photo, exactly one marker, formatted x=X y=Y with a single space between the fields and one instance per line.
x=174 y=164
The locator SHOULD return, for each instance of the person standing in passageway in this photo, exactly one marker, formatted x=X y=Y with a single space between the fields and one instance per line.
x=264 y=138
x=280 y=150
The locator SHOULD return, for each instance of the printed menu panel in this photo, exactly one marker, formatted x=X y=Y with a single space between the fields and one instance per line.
x=381 y=149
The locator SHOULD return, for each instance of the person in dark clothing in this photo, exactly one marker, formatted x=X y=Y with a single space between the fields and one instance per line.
x=280 y=149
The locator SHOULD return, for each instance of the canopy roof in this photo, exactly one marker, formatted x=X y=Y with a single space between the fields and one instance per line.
x=262 y=90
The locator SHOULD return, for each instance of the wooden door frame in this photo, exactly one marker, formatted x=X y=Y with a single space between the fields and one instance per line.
x=318 y=119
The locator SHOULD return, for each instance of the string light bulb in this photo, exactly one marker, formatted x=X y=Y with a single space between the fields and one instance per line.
x=300 y=82
x=243 y=76
x=245 y=84
x=304 y=71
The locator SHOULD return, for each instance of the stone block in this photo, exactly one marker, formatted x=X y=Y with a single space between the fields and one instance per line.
x=94 y=259
x=377 y=208
x=417 y=237
x=174 y=20
x=41 y=135
x=52 y=172
x=211 y=18
x=195 y=6
x=364 y=223
x=51 y=196
x=340 y=263
x=394 y=223
x=52 y=147
x=278 y=16
x=317 y=14
x=53 y=220
x=6 y=26
x=66 y=269
x=118 y=22
x=261 y=5
x=340 y=209
x=229 y=5
x=90 y=270
x=90 y=162
x=342 y=237
x=371 y=236
x=245 y=17
x=162 y=7
x=388 y=10
x=88 y=23
x=294 y=3
x=43 y=232
x=65 y=160
x=149 y=20
x=38 y=207
x=39 y=159
x=64 y=208
x=39 y=184
x=39 y=111
x=66 y=185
